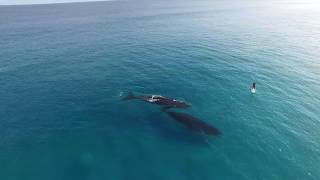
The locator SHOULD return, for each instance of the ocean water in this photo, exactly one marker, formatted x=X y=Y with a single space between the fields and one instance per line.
x=65 y=67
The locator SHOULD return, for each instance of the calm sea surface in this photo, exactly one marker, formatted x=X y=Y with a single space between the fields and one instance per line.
x=64 y=69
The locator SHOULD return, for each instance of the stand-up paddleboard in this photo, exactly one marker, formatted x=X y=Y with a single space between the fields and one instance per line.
x=253 y=88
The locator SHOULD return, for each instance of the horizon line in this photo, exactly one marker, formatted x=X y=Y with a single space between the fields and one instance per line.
x=56 y=3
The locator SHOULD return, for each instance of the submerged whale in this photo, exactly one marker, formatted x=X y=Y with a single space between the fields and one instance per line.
x=166 y=102
x=193 y=123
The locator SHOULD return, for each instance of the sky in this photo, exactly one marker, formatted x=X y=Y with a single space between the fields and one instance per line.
x=14 y=2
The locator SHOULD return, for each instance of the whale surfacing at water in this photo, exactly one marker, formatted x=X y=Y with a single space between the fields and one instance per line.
x=166 y=102
x=193 y=123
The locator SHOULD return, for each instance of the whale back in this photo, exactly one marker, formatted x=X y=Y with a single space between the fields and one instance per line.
x=193 y=123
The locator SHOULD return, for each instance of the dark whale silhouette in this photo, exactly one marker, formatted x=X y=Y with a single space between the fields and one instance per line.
x=167 y=103
x=193 y=123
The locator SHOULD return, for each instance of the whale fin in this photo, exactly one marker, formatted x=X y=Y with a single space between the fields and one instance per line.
x=129 y=97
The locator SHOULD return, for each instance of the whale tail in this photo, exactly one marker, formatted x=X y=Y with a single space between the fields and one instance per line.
x=129 y=97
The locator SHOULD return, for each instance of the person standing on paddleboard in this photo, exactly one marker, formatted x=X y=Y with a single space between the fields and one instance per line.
x=253 y=88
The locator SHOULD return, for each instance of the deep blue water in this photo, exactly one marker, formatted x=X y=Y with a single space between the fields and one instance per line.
x=63 y=69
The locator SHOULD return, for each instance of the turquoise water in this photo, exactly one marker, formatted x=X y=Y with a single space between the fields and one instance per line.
x=63 y=69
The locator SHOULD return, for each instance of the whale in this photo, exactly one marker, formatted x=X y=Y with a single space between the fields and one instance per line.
x=165 y=102
x=194 y=124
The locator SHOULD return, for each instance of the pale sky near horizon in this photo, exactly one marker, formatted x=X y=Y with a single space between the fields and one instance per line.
x=14 y=2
